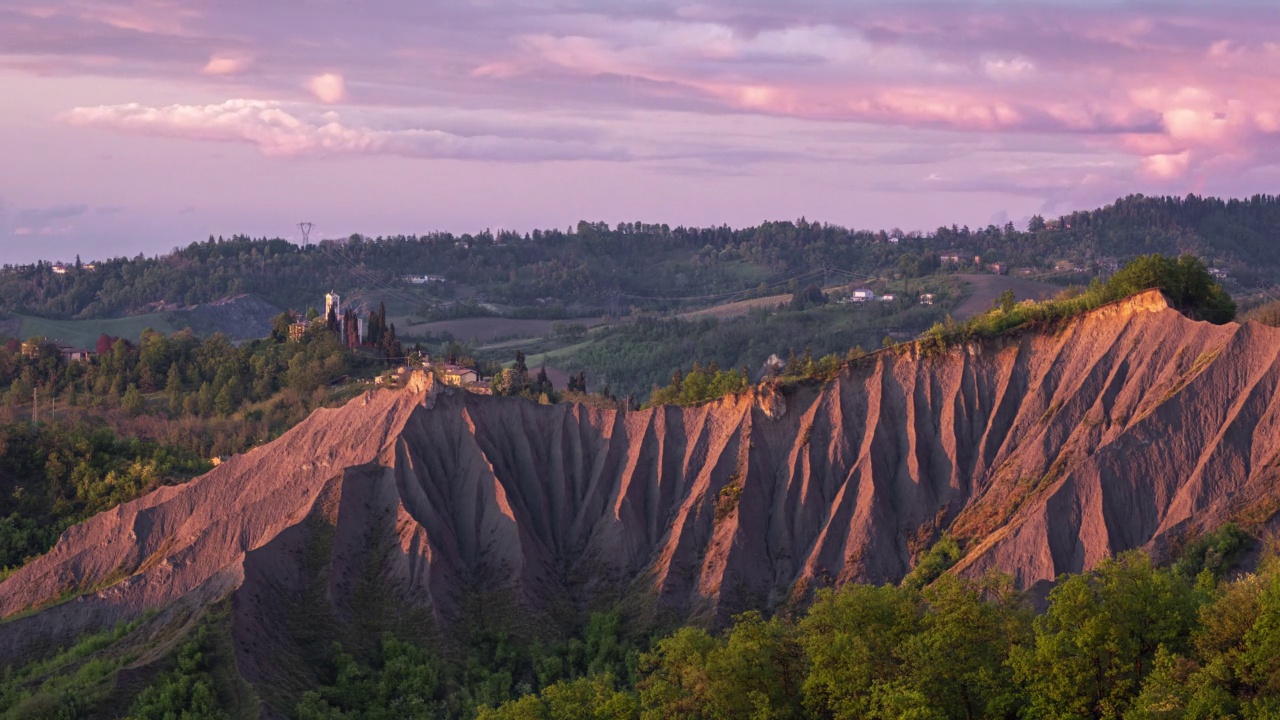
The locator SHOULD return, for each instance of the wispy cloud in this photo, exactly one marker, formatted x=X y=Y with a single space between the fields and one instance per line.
x=289 y=130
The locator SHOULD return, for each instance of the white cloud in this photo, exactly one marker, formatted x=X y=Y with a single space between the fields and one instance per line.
x=328 y=88
x=280 y=130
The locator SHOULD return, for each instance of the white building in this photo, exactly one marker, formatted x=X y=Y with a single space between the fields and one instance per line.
x=888 y=297
x=862 y=295
x=926 y=299
x=425 y=279
x=332 y=302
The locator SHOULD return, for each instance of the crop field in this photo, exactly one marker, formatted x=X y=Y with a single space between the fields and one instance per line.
x=986 y=288
x=84 y=333
x=487 y=329
x=737 y=309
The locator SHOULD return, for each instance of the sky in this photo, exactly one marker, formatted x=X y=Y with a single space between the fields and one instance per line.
x=134 y=126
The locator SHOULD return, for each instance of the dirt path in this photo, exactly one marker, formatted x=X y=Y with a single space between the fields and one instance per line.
x=986 y=288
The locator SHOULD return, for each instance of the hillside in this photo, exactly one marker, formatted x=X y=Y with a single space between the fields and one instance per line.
x=596 y=268
x=1040 y=454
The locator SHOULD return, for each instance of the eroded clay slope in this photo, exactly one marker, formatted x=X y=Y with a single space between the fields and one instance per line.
x=1042 y=453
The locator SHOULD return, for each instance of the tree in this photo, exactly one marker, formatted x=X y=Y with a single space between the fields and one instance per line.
x=173 y=389
x=1005 y=301
x=850 y=637
x=1098 y=640
x=280 y=326
x=1185 y=281
x=131 y=402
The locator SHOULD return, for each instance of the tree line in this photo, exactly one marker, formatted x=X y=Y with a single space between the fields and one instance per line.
x=1127 y=641
x=598 y=268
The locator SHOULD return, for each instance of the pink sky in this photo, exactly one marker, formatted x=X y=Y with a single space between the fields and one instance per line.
x=137 y=126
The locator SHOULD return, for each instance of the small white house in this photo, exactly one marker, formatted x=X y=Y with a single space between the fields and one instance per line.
x=926 y=299
x=60 y=269
x=862 y=295
x=888 y=297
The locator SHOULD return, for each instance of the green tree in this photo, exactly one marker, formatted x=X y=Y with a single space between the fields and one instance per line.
x=131 y=402
x=851 y=637
x=1097 y=641
x=173 y=389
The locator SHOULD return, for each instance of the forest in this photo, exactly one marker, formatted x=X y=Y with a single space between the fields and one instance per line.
x=594 y=268
x=1131 y=640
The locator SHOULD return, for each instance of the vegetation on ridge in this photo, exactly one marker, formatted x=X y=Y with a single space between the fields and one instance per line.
x=1185 y=282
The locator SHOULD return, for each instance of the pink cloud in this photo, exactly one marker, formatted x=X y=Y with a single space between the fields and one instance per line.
x=278 y=130
x=1171 y=99
x=227 y=64
x=328 y=88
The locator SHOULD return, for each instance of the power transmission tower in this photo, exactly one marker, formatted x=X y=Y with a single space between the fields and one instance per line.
x=305 y=227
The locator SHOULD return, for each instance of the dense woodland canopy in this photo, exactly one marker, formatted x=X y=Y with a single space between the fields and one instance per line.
x=1128 y=641
x=597 y=267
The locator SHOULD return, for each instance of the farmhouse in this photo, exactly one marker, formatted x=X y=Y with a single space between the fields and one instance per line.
x=74 y=354
x=458 y=375
x=861 y=295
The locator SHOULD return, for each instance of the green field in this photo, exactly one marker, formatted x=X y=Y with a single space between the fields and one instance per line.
x=84 y=333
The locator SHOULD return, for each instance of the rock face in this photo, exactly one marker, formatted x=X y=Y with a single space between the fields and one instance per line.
x=1042 y=453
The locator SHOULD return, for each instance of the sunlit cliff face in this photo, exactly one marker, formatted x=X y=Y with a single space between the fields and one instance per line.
x=163 y=120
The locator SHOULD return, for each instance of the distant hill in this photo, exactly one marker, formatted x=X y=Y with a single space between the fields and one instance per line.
x=596 y=268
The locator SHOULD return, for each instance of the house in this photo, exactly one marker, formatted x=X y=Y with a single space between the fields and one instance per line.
x=926 y=299
x=424 y=279
x=861 y=295
x=999 y=268
x=298 y=330
x=950 y=259
x=1219 y=274
x=458 y=375
x=479 y=388
x=888 y=297
x=91 y=266
x=60 y=269
x=74 y=354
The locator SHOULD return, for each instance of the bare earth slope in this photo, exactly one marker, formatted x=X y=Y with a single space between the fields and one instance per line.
x=1042 y=453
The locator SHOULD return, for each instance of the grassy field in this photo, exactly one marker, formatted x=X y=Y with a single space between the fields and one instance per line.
x=84 y=333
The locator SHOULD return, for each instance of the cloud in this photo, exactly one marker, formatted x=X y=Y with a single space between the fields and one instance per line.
x=289 y=131
x=46 y=221
x=40 y=216
x=227 y=65
x=328 y=88
x=1183 y=98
